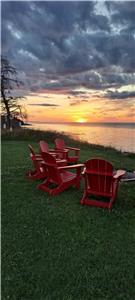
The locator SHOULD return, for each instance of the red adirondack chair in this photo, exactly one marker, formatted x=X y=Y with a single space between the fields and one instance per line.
x=32 y=152
x=59 y=178
x=72 y=153
x=101 y=183
x=44 y=148
x=39 y=171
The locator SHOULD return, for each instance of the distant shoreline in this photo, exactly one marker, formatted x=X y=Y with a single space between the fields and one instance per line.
x=26 y=124
x=84 y=123
x=97 y=124
x=34 y=134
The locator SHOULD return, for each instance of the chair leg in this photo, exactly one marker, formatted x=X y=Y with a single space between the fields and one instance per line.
x=33 y=175
x=114 y=195
x=44 y=186
x=112 y=200
x=77 y=184
x=59 y=189
x=78 y=179
x=83 y=198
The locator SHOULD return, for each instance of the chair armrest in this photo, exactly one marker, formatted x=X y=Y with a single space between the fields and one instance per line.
x=119 y=173
x=43 y=163
x=61 y=150
x=71 y=167
x=39 y=158
x=58 y=150
x=72 y=148
x=52 y=150
x=58 y=160
x=54 y=154
x=84 y=170
x=36 y=158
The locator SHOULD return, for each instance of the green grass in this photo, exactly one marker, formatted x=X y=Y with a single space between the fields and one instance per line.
x=55 y=249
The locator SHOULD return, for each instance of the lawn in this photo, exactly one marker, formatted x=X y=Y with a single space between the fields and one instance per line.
x=55 y=249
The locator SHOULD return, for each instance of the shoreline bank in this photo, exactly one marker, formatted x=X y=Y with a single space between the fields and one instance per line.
x=34 y=135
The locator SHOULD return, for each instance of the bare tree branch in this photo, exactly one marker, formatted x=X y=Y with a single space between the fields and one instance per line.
x=9 y=103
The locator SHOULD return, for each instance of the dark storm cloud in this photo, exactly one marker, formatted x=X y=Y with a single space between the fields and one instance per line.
x=43 y=104
x=70 y=44
x=122 y=13
x=78 y=102
x=91 y=80
x=120 y=95
x=76 y=93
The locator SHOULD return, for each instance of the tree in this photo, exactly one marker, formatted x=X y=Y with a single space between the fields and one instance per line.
x=10 y=104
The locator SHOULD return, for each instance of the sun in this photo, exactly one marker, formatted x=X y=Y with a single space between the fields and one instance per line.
x=81 y=120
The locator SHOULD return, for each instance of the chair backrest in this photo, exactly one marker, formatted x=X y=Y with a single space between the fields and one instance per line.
x=33 y=157
x=52 y=168
x=60 y=144
x=44 y=146
x=99 y=176
x=32 y=152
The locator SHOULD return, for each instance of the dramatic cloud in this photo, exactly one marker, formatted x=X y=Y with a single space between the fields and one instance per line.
x=120 y=95
x=122 y=13
x=71 y=44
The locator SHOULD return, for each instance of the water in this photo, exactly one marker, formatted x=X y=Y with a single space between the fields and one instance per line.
x=117 y=135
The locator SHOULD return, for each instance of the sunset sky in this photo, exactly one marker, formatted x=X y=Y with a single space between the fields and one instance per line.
x=76 y=58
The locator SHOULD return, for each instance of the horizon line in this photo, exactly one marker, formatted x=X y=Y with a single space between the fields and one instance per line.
x=83 y=123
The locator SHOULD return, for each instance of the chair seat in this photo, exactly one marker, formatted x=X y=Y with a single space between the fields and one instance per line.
x=67 y=176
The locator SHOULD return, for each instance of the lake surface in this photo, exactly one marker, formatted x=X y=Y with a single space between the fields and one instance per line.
x=118 y=135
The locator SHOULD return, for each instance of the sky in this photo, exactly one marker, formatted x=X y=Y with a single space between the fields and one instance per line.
x=76 y=59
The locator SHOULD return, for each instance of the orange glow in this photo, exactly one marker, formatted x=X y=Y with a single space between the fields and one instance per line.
x=57 y=107
x=81 y=120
